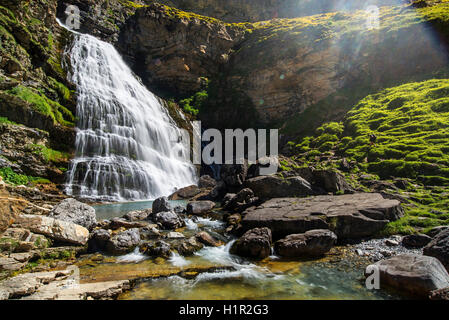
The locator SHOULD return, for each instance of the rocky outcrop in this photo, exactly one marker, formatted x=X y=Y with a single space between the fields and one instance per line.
x=123 y=242
x=313 y=243
x=10 y=207
x=348 y=216
x=416 y=240
x=160 y=205
x=267 y=187
x=239 y=202
x=185 y=193
x=138 y=215
x=77 y=212
x=255 y=243
x=439 y=248
x=200 y=207
x=58 y=230
x=411 y=274
x=168 y=220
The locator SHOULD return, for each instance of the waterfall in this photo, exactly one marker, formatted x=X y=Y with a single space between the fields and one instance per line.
x=127 y=145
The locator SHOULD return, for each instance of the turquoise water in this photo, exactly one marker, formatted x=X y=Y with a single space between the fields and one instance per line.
x=118 y=209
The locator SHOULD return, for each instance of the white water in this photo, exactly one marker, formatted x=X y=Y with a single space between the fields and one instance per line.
x=178 y=260
x=135 y=256
x=127 y=145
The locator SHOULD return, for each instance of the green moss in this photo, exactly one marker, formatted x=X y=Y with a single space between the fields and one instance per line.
x=11 y=177
x=48 y=154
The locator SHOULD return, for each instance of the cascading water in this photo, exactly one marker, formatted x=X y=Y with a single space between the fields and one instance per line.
x=127 y=145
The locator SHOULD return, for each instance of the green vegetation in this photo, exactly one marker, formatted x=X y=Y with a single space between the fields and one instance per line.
x=411 y=123
x=48 y=154
x=4 y=120
x=9 y=176
x=44 y=105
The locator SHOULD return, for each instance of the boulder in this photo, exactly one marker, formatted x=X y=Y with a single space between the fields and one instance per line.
x=189 y=246
x=117 y=223
x=98 y=240
x=348 y=216
x=255 y=243
x=200 y=207
x=234 y=175
x=161 y=205
x=185 y=193
x=439 y=248
x=123 y=242
x=435 y=231
x=175 y=235
x=313 y=243
x=207 y=239
x=416 y=240
x=412 y=274
x=150 y=232
x=217 y=192
x=268 y=187
x=160 y=249
x=138 y=215
x=241 y=201
x=59 y=230
x=207 y=182
x=71 y=210
x=331 y=181
x=168 y=220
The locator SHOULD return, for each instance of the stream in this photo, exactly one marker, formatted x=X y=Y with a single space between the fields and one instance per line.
x=213 y=273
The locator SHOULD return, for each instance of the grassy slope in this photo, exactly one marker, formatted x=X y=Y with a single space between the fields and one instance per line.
x=411 y=122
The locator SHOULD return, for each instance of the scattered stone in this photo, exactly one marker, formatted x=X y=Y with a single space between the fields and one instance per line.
x=255 y=243
x=175 y=235
x=268 y=187
x=241 y=201
x=123 y=242
x=161 y=205
x=185 y=193
x=200 y=207
x=138 y=215
x=207 y=182
x=439 y=248
x=413 y=274
x=189 y=247
x=71 y=210
x=168 y=220
x=59 y=230
x=416 y=240
x=117 y=223
x=440 y=294
x=311 y=244
x=150 y=232
x=348 y=216
x=207 y=239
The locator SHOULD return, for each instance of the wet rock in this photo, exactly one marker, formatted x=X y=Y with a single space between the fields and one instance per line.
x=160 y=249
x=416 y=240
x=241 y=201
x=268 y=187
x=331 y=181
x=59 y=230
x=117 y=223
x=255 y=243
x=207 y=182
x=71 y=210
x=138 y=215
x=217 y=192
x=161 y=205
x=207 y=239
x=435 y=231
x=234 y=175
x=189 y=247
x=168 y=220
x=411 y=274
x=98 y=240
x=185 y=193
x=439 y=248
x=313 y=243
x=150 y=232
x=123 y=242
x=175 y=235
x=348 y=216
x=200 y=207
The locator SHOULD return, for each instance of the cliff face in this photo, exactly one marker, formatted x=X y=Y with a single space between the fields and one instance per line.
x=279 y=69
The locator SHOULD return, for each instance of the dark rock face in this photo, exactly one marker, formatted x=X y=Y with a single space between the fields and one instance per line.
x=255 y=243
x=168 y=220
x=416 y=240
x=268 y=187
x=161 y=205
x=123 y=242
x=415 y=275
x=348 y=216
x=160 y=249
x=240 y=201
x=77 y=212
x=313 y=243
x=439 y=248
x=207 y=239
x=189 y=246
x=207 y=182
x=435 y=231
x=98 y=240
x=185 y=193
x=234 y=175
x=200 y=207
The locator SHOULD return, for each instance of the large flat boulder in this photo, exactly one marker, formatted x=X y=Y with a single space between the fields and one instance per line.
x=59 y=230
x=348 y=216
x=412 y=274
x=268 y=187
x=313 y=243
x=72 y=210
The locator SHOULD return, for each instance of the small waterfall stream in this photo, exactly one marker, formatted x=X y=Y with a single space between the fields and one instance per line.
x=127 y=145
